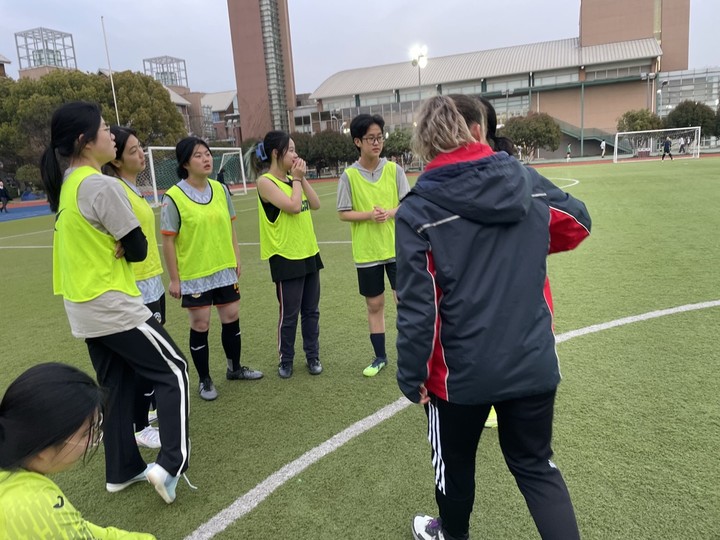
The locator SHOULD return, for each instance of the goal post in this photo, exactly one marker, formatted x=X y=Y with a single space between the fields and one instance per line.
x=648 y=144
x=160 y=174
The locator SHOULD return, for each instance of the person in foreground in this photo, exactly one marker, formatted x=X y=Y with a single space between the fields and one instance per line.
x=50 y=418
x=474 y=325
x=96 y=238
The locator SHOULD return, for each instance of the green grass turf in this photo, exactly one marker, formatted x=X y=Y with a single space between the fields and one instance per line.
x=637 y=419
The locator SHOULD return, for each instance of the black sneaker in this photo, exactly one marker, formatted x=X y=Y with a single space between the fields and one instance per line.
x=245 y=373
x=285 y=370
x=314 y=366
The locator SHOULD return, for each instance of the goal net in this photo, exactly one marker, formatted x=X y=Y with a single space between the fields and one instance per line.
x=650 y=144
x=160 y=174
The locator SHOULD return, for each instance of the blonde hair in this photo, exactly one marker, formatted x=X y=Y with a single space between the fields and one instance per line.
x=440 y=128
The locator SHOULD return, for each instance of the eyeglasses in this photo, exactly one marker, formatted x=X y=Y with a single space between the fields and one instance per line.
x=94 y=434
x=373 y=140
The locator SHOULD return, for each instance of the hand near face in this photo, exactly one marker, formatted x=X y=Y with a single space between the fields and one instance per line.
x=299 y=169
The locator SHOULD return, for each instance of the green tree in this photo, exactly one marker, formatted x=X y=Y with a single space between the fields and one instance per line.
x=691 y=114
x=26 y=107
x=398 y=143
x=639 y=120
x=328 y=148
x=717 y=122
x=532 y=132
x=302 y=144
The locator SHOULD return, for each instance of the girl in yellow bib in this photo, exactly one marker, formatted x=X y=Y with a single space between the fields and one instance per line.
x=51 y=417
x=203 y=259
x=129 y=162
x=287 y=240
x=96 y=238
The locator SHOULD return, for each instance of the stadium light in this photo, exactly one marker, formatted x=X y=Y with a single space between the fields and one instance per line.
x=418 y=53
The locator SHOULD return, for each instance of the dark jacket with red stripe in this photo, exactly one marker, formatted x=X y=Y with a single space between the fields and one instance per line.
x=474 y=313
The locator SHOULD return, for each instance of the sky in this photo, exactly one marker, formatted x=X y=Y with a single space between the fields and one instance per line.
x=328 y=36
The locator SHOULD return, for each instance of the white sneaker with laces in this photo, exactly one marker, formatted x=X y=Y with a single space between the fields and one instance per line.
x=149 y=437
x=114 y=488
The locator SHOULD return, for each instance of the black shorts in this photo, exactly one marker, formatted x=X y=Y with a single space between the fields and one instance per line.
x=158 y=309
x=214 y=297
x=371 y=279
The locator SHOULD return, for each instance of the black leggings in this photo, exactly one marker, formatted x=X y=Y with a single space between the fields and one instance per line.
x=299 y=296
x=525 y=433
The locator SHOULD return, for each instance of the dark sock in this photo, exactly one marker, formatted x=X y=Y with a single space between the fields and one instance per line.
x=200 y=353
x=378 y=343
x=232 y=343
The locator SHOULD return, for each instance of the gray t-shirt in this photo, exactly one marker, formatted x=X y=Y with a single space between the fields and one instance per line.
x=104 y=203
x=344 y=193
x=170 y=222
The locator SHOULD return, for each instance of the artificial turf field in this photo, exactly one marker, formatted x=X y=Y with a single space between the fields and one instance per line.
x=637 y=427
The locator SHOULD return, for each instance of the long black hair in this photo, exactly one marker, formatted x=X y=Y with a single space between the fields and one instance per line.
x=43 y=407
x=499 y=144
x=73 y=126
x=259 y=157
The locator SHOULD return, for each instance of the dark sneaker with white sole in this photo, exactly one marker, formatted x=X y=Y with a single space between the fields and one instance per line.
x=285 y=370
x=244 y=373
x=314 y=366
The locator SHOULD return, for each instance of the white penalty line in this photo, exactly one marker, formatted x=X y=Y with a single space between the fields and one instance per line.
x=264 y=489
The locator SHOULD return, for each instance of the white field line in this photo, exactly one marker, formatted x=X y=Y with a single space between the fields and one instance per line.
x=573 y=182
x=24 y=234
x=264 y=489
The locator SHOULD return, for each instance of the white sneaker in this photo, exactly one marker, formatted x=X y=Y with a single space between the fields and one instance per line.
x=148 y=437
x=114 y=488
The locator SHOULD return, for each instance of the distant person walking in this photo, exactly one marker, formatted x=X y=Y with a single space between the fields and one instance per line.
x=602 y=148
x=681 y=142
x=368 y=195
x=666 y=149
x=568 y=152
x=4 y=198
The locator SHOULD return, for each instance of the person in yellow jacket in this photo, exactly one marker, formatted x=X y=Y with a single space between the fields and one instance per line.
x=96 y=238
x=287 y=240
x=203 y=259
x=129 y=162
x=369 y=193
x=50 y=417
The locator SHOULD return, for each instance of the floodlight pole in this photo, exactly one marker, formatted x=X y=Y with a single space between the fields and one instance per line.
x=112 y=83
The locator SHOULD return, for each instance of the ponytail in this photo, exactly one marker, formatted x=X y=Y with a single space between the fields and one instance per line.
x=52 y=177
x=260 y=155
x=73 y=125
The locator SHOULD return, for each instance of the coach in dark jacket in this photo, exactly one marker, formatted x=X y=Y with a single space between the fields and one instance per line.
x=474 y=316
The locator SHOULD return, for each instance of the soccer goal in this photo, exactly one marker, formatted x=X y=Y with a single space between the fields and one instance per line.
x=684 y=143
x=161 y=171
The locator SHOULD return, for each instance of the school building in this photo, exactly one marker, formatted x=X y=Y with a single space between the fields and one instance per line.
x=617 y=63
